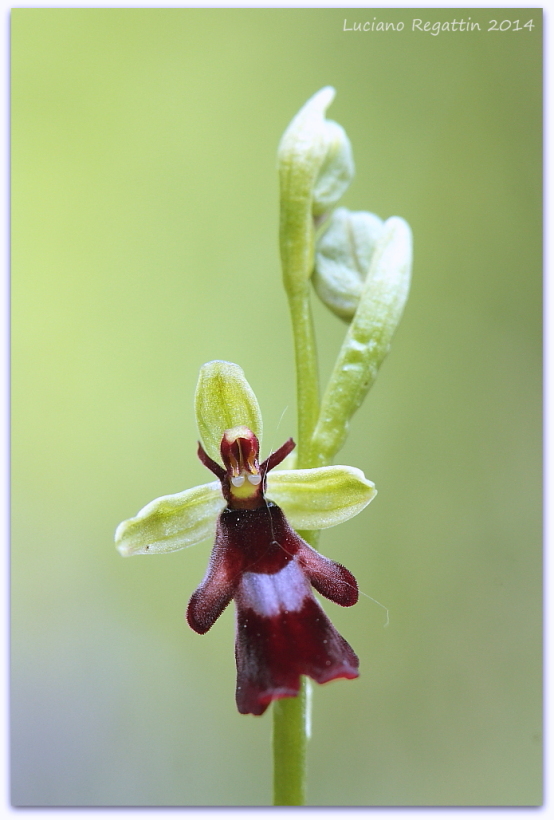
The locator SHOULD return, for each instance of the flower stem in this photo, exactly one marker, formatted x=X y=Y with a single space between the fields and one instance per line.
x=290 y=719
x=307 y=387
x=291 y=716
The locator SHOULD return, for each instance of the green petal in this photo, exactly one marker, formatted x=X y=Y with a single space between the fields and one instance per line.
x=224 y=399
x=321 y=497
x=172 y=522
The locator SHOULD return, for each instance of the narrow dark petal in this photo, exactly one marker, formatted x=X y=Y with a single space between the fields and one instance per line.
x=277 y=457
x=208 y=462
x=329 y=578
x=216 y=590
x=245 y=539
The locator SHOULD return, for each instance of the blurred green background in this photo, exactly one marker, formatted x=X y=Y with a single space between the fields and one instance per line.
x=145 y=211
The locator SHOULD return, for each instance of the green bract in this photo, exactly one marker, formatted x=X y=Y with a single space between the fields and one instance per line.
x=317 y=151
x=368 y=338
x=315 y=168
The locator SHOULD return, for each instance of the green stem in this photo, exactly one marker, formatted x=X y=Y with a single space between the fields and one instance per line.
x=307 y=387
x=291 y=715
x=290 y=738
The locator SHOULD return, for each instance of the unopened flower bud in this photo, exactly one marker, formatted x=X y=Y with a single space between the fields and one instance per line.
x=315 y=168
x=337 y=169
x=343 y=257
x=315 y=155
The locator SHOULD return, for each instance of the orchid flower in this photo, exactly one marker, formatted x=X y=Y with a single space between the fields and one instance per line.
x=258 y=558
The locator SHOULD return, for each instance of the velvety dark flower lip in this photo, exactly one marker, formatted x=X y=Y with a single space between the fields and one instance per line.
x=258 y=559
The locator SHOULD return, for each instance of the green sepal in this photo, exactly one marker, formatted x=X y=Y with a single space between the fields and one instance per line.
x=224 y=399
x=172 y=522
x=321 y=497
